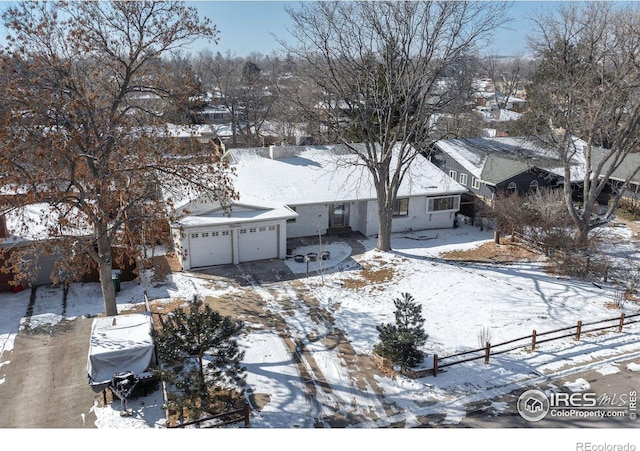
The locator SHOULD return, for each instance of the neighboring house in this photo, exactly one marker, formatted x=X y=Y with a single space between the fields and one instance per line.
x=215 y=114
x=296 y=191
x=487 y=166
x=626 y=169
x=30 y=226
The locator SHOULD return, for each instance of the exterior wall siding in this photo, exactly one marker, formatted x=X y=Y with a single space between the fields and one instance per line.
x=524 y=179
x=447 y=164
x=312 y=219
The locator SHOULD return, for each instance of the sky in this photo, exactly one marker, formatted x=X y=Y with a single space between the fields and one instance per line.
x=512 y=300
x=250 y=26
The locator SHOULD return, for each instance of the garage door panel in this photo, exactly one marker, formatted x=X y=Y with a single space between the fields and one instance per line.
x=258 y=243
x=210 y=248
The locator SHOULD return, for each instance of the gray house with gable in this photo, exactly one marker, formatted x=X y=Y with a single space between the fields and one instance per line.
x=488 y=166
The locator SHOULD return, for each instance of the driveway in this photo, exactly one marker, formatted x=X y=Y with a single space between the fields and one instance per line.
x=46 y=386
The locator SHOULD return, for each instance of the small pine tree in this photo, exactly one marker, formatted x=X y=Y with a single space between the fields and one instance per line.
x=201 y=359
x=399 y=342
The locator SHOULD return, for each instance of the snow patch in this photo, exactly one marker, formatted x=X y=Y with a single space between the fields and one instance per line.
x=579 y=385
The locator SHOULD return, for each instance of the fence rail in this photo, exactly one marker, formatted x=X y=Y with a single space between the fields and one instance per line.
x=527 y=342
x=226 y=418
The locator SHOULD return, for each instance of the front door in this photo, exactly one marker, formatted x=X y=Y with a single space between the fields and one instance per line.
x=339 y=215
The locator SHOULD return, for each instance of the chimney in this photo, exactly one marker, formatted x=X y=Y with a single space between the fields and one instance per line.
x=3 y=227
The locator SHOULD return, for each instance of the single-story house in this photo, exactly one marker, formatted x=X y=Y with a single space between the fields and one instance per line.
x=297 y=191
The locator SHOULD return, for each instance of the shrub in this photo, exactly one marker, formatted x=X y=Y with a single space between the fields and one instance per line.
x=399 y=342
x=484 y=336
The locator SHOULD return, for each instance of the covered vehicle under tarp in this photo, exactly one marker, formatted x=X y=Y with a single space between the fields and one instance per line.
x=118 y=344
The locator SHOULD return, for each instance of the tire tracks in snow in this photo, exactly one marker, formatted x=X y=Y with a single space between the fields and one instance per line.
x=339 y=393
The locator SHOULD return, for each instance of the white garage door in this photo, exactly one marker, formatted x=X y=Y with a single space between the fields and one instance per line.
x=210 y=248
x=258 y=243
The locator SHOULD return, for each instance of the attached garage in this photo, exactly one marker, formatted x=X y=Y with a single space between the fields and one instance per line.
x=249 y=233
x=210 y=247
x=257 y=243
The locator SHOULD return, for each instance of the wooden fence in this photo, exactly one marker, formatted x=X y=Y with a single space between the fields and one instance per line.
x=219 y=420
x=526 y=342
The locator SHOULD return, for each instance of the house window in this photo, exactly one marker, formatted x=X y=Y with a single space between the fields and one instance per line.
x=444 y=203
x=252 y=230
x=475 y=183
x=215 y=233
x=272 y=228
x=195 y=235
x=401 y=207
x=453 y=175
x=262 y=229
x=463 y=179
x=225 y=233
x=205 y=234
x=533 y=186
x=242 y=231
x=512 y=188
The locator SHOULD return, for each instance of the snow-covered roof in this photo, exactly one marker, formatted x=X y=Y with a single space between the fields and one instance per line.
x=321 y=174
x=237 y=214
x=42 y=221
x=270 y=180
x=494 y=160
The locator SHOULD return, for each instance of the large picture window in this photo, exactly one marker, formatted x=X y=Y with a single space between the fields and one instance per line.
x=401 y=207
x=444 y=203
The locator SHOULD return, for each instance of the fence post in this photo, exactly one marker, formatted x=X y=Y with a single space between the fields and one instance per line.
x=246 y=414
x=533 y=340
x=435 y=365
x=621 y=322
x=487 y=352
x=578 y=330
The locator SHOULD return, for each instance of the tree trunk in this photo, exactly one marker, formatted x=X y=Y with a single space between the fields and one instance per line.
x=582 y=235
x=108 y=290
x=106 y=282
x=385 y=216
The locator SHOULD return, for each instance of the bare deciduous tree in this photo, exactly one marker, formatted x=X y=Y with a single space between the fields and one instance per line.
x=243 y=87
x=587 y=86
x=85 y=92
x=380 y=68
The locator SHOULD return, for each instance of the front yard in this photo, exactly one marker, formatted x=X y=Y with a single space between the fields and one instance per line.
x=310 y=330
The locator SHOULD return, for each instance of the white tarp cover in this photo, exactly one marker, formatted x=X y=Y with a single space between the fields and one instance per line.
x=119 y=343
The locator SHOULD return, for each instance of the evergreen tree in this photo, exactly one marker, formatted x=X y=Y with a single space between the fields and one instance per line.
x=399 y=342
x=202 y=360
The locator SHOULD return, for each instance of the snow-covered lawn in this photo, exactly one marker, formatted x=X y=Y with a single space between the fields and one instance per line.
x=458 y=300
